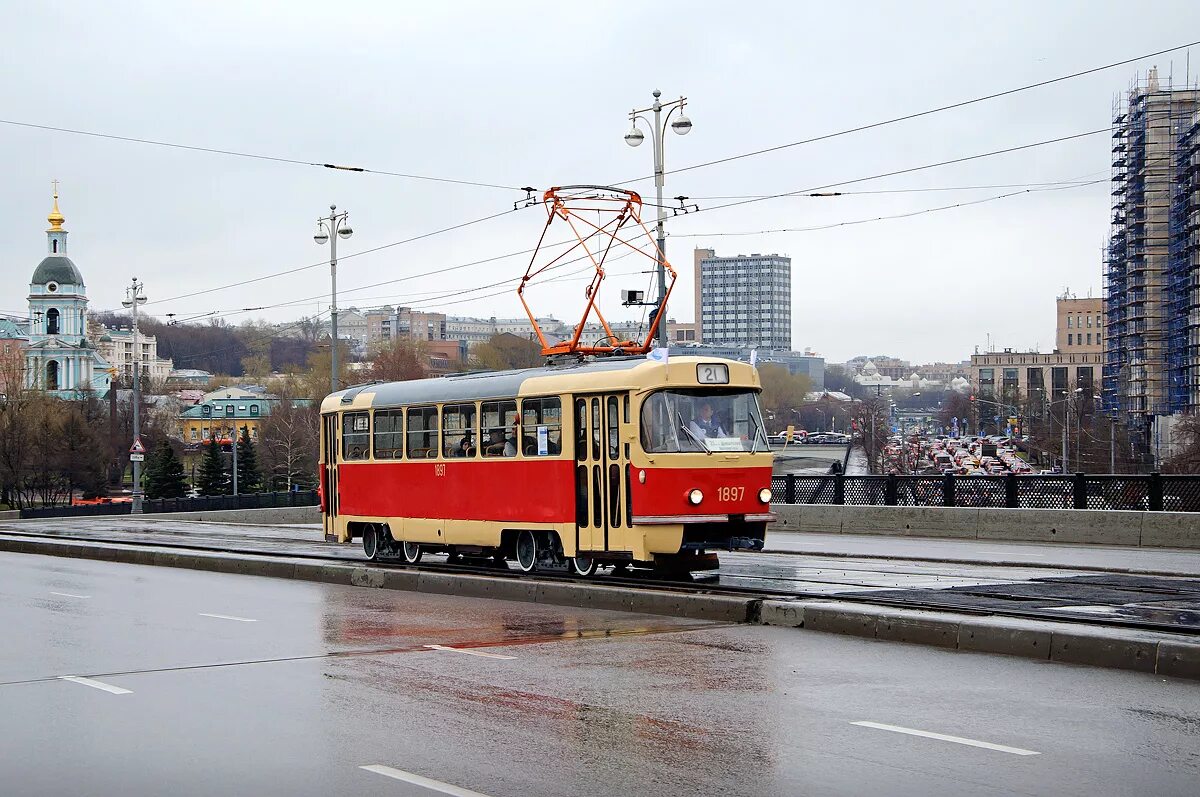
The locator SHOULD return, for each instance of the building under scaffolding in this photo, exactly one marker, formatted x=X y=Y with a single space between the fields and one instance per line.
x=1183 y=275
x=1146 y=289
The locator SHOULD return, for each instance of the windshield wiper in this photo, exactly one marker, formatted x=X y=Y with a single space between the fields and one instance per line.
x=696 y=437
x=754 y=445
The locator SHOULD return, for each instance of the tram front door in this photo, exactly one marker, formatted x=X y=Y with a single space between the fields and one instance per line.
x=602 y=473
x=329 y=475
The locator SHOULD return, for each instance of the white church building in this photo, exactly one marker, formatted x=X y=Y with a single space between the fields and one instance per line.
x=59 y=358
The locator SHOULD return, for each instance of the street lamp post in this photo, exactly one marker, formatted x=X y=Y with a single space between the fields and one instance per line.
x=329 y=228
x=133 y=298
x=682 y=125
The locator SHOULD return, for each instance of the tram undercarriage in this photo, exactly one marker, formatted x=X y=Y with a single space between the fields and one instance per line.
x=540 y=550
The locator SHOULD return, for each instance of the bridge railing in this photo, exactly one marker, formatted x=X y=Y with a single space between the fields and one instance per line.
x=1152 y=492
x=202 y=503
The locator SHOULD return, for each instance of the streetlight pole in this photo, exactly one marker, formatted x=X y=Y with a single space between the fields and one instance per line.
x=633 y=138
x=1112 y=445
x=328 y=229
x=133 y=298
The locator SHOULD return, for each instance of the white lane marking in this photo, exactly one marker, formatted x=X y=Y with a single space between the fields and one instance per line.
x=943 y=737
x=71 y=595
x=1016 y=553
x=469 y=652
x=228 y=617
x=425 y=783
x=76 y=679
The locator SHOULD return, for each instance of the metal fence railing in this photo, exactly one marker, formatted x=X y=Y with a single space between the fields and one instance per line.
x=1152 y=492
x=204 y=502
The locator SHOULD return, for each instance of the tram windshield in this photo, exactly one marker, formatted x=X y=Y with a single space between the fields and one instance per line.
x=675 y=421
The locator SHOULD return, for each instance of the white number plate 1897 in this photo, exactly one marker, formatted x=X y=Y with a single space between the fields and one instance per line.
x=712 y=374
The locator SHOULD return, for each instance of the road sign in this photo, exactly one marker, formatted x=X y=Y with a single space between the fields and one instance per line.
x=137 y=457
x=137 y=447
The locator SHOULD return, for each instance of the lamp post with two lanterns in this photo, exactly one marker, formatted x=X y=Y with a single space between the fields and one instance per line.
x=329 y=228
x=682 y=126
x=133 y=299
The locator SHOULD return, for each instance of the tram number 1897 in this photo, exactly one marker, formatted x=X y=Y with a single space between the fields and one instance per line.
x=730 y=493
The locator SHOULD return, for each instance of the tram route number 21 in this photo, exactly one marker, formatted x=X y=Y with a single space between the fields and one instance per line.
x=730 y=493
x=439 y=470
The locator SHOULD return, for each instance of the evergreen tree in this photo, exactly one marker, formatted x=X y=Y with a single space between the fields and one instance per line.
x=249 y=476
x=213 y=478
x=164 y=473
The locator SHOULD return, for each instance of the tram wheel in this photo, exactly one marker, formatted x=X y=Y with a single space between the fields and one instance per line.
x=527 y=552
x=412 y=552
x=584 y=565
x=371 y=542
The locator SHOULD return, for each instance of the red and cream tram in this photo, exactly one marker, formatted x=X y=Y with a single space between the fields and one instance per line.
x=614 y=461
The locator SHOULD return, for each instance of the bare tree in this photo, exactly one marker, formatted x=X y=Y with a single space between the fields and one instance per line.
x=288 y=444
x=397 y=361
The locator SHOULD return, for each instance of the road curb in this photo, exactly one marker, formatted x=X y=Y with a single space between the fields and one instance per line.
x=1113 y=648
x=719 y=608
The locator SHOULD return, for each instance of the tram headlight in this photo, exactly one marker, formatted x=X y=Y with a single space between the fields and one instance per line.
x=695 y=497
x=764 y=495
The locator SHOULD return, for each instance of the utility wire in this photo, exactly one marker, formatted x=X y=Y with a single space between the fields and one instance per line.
x=252 y=155
x=343 y=257
x=919 y=114
x=886 y=218
x=1064 y=183
x=909 y=170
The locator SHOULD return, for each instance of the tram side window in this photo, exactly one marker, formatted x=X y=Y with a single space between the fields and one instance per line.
x=581 y=429
x=459 y=430
x=389 y=434
x=356 y=435
x=501 y=430
x=422 y=432
x=541 y=427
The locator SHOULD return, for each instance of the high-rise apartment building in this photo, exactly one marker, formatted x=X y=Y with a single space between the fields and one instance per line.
x=745 y=300
x=1147 y=302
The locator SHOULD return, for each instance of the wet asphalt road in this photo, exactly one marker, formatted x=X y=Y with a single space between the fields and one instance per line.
x=244 y=685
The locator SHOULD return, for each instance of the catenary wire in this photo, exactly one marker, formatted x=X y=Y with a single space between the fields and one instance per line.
x=919 y=114
x=252 y=155
x=893 y=216
x=286 y=272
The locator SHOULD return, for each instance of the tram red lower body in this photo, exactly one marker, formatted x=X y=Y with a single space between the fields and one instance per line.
x=533 y=491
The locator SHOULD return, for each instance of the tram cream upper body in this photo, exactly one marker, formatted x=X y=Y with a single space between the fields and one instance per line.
x=642 y=377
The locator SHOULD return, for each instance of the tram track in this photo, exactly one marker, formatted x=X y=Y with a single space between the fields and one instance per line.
x=696 y=587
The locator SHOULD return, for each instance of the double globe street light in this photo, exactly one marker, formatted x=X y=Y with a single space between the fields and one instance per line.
x=634 y=138
x=329 y=229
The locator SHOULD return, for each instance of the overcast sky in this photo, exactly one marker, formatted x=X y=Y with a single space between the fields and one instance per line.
x=538 y=94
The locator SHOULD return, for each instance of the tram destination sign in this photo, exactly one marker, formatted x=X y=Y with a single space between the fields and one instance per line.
x=712 y=374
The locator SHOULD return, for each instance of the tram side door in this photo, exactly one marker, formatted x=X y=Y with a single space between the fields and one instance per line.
x=329 y=474
x=602 y=473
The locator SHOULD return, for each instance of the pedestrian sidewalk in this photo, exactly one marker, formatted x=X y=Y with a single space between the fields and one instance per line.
x=1158 y=561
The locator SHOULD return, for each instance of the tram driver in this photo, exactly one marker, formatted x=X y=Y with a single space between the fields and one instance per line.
x=704 y=423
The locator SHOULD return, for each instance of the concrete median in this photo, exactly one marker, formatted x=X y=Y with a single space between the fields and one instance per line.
x=1069 y=526
x=1067 y=643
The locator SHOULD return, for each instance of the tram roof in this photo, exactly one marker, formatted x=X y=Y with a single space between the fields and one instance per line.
x=506 y=384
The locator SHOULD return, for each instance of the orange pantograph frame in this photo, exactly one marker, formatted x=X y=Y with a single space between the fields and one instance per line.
x=622 y=209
